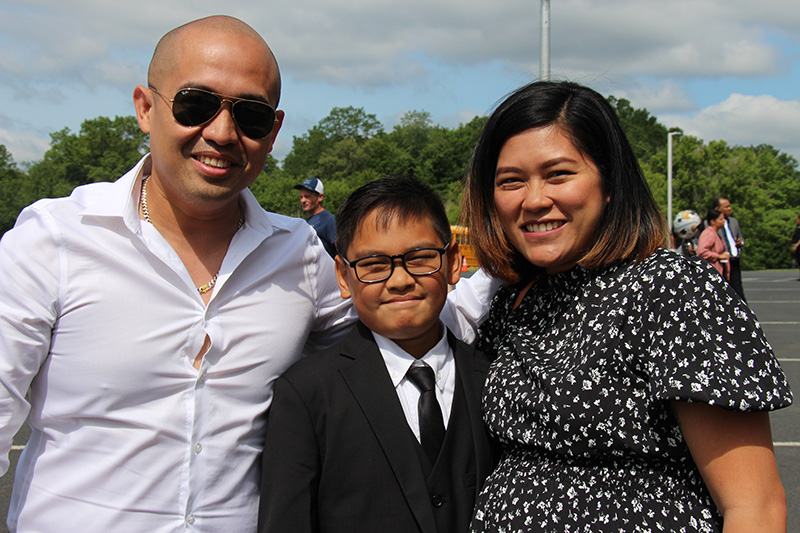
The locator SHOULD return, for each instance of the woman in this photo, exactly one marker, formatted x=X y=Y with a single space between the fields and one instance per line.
x=621 y=369
x=710 y=247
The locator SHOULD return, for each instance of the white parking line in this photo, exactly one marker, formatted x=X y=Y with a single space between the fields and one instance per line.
x=786 y=444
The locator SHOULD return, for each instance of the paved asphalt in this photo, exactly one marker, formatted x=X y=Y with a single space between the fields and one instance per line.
x=774 y=296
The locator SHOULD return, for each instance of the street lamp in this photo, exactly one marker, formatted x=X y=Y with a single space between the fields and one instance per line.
x=669 y=177
x=544 y=51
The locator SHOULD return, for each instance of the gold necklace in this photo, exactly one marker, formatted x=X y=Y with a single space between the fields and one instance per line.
x=202 y=289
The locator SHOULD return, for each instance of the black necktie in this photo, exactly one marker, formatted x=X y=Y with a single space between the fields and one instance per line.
x=431 y=424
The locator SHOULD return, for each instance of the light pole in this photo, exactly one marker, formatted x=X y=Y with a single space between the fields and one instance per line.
x=669 y=177
x=544 y=51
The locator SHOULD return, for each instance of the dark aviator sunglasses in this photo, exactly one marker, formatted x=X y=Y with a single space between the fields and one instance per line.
x=194 y=107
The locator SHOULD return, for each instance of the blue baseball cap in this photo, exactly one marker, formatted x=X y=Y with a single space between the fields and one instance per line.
x=312 y=184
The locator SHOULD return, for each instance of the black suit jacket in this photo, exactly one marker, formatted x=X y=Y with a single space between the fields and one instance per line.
x=339 y=454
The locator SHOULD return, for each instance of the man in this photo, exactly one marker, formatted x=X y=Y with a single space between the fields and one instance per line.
x=143 y=322
x=323 y=222
x=150 y=316
x=796 y=242
x=731 y=235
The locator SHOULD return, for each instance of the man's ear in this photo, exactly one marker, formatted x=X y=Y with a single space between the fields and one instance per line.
x=454 y=263
x=143 y=104
x=276 y=127
x=342 y=277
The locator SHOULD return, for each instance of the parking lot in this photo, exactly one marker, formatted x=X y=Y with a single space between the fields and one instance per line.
x=774 y=296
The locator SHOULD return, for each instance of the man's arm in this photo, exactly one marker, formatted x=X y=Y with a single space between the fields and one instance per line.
x=467 y=305
x=290 y=466
x=335 y=316
x=29 y=270
x=736 y=231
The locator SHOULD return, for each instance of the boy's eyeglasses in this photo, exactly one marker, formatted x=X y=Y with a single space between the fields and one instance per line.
x=194 y=107
x=417 y=262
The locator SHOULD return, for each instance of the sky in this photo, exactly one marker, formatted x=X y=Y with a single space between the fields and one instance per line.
x=718 y=69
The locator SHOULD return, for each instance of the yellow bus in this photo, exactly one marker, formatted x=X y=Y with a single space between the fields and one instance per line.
x=461 y=235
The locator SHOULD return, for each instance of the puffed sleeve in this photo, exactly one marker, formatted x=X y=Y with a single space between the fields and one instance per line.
x=704 y=343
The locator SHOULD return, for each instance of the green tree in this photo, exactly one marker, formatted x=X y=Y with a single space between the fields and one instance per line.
x=103 y=150
x=762 y=183
x=349 y=147
x=342 y=123
x=13 y=190
x=646 y=135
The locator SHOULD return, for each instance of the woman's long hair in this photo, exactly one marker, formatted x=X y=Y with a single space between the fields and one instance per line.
x=631 y=226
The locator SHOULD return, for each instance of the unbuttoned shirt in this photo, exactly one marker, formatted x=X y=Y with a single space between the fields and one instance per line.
x=100 y=319
x=99 y=316
x=439 y=358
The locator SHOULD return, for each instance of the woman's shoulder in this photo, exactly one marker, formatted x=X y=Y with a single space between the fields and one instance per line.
x=666 y=267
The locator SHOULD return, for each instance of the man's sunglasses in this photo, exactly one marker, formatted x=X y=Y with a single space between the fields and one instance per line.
x=194 y=107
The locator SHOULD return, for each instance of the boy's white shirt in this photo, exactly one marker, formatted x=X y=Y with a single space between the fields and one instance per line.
x=440 y=358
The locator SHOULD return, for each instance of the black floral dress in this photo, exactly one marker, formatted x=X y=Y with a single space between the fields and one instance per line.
x=578 y=394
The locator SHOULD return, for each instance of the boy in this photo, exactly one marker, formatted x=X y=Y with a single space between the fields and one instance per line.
x=352 y=444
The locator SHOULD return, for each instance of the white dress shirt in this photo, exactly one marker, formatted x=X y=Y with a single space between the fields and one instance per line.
x=99 y=316
x=734 y=250
x=100 y=319
x=439 y=358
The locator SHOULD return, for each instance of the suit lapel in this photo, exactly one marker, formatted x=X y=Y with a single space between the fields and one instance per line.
x=372 y=388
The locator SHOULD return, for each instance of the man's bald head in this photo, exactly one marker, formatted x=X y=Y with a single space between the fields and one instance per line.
x=166 y=53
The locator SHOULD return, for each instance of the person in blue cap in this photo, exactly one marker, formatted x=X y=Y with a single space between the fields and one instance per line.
x=311 y=194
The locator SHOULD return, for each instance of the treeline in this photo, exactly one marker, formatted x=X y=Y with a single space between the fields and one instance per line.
x=350 y=147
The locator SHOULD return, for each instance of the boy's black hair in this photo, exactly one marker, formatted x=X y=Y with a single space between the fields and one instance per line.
x=392 y=197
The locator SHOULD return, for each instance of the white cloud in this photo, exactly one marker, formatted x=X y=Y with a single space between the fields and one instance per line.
x=663 y=96
x=746 y=120
x=656 y=54
x=24 y=147
x=354 y=42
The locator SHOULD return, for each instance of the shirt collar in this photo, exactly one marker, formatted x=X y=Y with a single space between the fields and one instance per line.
x=398 y=361
x=121 y=200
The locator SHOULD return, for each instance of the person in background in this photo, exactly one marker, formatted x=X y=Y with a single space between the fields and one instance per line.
x=711 y=247
x=731 y=235
x=143 y=322
x=323 y=222
x=629 y=385
x=358 y=439
x=685 y=229
x=796 y=242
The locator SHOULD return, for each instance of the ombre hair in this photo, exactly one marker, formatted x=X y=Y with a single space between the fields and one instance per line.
x=631 y=226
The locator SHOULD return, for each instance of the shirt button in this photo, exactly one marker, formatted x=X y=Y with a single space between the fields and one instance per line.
x=198 y=448
x=437 y=501
x=190 y=519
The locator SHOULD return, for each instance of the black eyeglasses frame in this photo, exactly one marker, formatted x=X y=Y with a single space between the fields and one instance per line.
x=393 y=258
